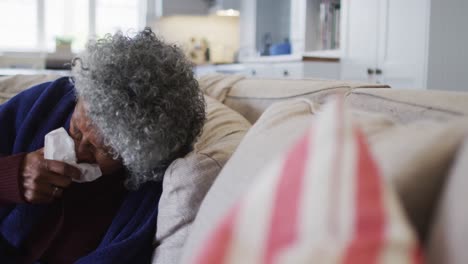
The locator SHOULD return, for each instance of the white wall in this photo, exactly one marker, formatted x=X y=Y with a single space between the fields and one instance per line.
x=448 y=45
x=222 y=33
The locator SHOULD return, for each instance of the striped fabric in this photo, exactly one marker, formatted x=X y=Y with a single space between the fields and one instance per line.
x=324 y=201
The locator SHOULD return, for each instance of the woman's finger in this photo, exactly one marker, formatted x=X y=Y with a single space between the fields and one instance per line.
x=37 y=197
x=44 y=189
x=52 y=178
x=62 y=168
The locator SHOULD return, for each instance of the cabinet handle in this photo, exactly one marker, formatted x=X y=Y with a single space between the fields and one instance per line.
x=370 y=71
x=285 y=73
x=378 y=71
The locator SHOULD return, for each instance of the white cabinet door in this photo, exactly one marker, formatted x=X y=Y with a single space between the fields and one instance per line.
x=402 y=42
x=387 y=37
x=260 y=70
x=292 y=70
x=322 y=70
x=359 y=38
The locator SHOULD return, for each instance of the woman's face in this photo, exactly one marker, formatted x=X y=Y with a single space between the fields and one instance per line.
x=89 y=144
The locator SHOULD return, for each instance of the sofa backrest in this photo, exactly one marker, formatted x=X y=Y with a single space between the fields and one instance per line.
x=405 y=106
x=251 y=96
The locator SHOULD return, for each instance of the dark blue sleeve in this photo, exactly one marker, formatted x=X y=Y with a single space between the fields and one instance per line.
x=13 y=113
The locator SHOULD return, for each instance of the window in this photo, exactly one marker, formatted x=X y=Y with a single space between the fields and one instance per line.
x=18 y=19
x=27 y=25
x=113 y=15
x=67 y=19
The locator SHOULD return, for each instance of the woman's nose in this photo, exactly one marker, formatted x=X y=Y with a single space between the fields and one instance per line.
x=83 y=152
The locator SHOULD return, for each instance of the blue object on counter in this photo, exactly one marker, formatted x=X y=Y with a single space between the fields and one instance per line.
x=281 y=48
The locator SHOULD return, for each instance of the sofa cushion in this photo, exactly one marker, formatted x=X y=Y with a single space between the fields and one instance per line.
x=18 y=83
x=322 y=200
x=276 y=129
x=449 y=232
x=187 y=179
x=12 y=85
x=218 y=85
x=409 y=105
x=5 y=97
x=251 y=97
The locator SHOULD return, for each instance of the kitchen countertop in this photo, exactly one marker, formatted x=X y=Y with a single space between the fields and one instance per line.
x=276 y=58
x=322 y=55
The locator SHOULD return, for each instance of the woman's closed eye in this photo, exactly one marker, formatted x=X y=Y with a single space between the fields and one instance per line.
x=75 y=133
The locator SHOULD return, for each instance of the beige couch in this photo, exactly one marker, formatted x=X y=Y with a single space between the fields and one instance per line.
x=11 y=85
x=419 y=139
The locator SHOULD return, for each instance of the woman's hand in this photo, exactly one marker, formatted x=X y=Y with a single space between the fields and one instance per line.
x=44 y=180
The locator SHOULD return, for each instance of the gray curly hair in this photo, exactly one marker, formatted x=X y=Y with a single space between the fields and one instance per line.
x=143 y=98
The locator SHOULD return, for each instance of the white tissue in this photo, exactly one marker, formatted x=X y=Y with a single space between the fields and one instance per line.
x=60 y=146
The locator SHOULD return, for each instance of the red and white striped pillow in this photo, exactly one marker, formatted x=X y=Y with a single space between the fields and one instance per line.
x=324 y=201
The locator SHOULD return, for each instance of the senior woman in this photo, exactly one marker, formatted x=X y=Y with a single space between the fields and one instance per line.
x=131 y=106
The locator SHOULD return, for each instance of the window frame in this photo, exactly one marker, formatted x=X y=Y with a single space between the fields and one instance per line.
x=41 y=45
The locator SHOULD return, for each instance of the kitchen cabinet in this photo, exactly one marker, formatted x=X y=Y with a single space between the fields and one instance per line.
x=300 y=22
x=179 y=7
x=189 y=7
x=379 y=40
x=417 y=44
x=385 y=41
x=265 y=22
x=234 y=68
x=293 y=70
x=275 y=70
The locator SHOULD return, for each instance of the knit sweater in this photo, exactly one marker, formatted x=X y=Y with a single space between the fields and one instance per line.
x=126 y=236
